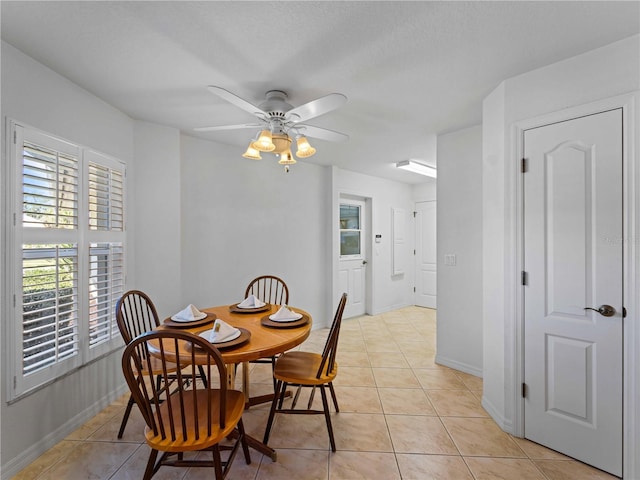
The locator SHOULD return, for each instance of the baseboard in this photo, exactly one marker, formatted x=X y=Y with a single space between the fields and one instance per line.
x=16 y=464
x=463 y=367
x=497 y=416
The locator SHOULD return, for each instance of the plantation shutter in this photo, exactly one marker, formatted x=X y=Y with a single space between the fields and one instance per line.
x=49 y=188
x=105 y=182
x=105 y=198
x=49 y=305
x=68 y=256
x=106 y=286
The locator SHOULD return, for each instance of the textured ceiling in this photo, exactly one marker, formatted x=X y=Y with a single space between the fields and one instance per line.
x=410 y=70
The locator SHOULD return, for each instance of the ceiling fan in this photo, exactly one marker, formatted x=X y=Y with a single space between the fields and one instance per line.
x=279 y=121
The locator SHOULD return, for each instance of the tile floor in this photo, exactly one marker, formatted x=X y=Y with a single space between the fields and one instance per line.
x=401 y=417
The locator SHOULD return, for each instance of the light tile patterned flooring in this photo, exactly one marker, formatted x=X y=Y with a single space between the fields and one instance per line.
x=401 y=417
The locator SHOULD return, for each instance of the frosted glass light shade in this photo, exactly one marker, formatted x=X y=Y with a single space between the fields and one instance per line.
x=264 y=142
x=252 y=153
x=305 y=149
x=286 y=158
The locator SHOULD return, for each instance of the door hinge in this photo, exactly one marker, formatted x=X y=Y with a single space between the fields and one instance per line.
x=414 y=214
x=15 y=137
x=14 y=219
x=524 y=390
x=15 y=382
x=414 y=251
x=414 y=289
x=525 y=278
x=14 y=300
x=523 y=166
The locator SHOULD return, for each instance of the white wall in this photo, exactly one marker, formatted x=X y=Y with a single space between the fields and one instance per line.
x=493 y=258
x=599 y=74
x=244 y=218
x=37 y=96
x=156 y=206
x=388 y=291
x=424 y=192
x=459 y=232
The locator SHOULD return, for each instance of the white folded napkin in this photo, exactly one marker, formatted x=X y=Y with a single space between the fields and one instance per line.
x=285 y=315
x=189 y=313
x=251 y=302
x=221 y=331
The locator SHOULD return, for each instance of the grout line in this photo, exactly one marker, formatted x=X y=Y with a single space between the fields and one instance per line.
x=423 y=329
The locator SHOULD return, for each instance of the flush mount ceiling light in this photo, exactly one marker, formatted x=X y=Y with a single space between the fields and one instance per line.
x=280 y=123
x=417 y=167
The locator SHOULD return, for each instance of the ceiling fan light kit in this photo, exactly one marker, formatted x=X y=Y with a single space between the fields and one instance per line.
x=278 y=118
x=417 y=167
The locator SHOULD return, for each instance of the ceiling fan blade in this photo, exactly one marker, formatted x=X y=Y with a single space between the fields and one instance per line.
x=237 y=101
x=228 y=127
x=316 y=107
x=320 y=133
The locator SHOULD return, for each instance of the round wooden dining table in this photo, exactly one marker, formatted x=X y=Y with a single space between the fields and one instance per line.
x=263 y=342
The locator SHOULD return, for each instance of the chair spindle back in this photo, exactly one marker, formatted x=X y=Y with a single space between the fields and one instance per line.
x=160 y=401
x=331 y=345
x=135 y=315
x=269 y=289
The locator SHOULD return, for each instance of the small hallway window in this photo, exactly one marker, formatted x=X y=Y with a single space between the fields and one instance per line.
x=350 y=230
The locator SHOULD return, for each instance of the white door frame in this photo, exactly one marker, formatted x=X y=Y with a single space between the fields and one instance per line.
x=362 y=257
x=630 y=105
x=335 y=247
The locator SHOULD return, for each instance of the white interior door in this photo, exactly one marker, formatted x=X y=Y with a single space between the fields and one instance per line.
x=353 y=258
x=573 y=259
x=426 y=254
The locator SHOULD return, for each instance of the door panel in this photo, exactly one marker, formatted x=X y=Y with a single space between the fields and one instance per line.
x=573 y=258
x=570 y=378
x=426 y=255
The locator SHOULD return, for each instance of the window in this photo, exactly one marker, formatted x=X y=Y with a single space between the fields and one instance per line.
x=69 y=256
x=350 y=230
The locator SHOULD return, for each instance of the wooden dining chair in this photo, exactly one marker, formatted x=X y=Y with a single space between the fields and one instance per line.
x=184 y=416
x=273 y=290
x=136 y=314
x=270 y=289
x=311 y=370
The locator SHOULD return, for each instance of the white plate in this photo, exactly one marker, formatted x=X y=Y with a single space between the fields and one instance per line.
x=255 y=306
x=195 y=319
x=298 y=316
x=207 y=333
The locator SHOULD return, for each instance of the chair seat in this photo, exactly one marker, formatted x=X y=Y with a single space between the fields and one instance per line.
x=301 y=368
x=234 y=410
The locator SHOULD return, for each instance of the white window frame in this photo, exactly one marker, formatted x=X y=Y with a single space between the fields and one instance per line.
x=83 y=237
x=360 y=206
